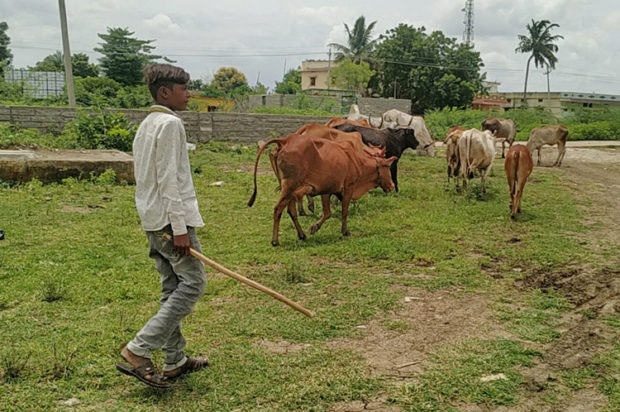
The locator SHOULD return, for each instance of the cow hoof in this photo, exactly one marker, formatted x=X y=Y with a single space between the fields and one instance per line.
x=314 y=229
x=302 y=237
x=346 y=233
x=513 y=217
x=275 y=243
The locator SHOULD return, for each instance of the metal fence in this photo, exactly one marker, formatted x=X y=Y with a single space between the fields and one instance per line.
x=39 y=85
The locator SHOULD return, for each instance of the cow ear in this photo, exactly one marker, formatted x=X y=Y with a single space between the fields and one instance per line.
x=388 y=162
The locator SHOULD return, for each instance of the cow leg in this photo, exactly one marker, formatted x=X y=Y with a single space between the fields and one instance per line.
x=277 y=214
x=346 y=199
x=538 y=161
x=503 y=141
x=521 y=185
x=326 y=214
x=310 y=203
x=393 y=172
x=292 y=212
x=483 y=178
x=300 y=207
x=561 y=152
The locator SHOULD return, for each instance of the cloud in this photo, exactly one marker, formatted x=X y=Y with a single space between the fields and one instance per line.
x=162 y=23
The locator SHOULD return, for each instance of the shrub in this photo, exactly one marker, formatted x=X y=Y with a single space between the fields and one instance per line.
x=102 y=130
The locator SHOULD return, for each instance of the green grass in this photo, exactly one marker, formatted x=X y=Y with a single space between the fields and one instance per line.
x=76 y=282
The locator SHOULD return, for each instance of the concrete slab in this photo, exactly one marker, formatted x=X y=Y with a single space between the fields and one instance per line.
x=55 y=165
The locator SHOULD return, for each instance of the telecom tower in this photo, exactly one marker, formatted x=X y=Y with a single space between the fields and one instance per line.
x=468 y=34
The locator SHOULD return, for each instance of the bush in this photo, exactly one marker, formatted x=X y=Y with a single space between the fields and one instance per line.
x=600 y=130
x=440 y=121
x=101 y=130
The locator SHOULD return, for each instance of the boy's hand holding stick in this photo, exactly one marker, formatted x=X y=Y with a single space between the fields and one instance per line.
x=245 y=280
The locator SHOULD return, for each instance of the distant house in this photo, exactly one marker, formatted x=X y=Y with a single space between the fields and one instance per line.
x=315 y=74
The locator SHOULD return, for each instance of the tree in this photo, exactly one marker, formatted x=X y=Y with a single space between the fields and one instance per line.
x=124 y=57
x=359 y=43
x=51 y=63
x=434 y=71
x=351 y=76
x=82 y=67
x=5 y=54
x=290 y=84
x=230 y=82
x=541 y=44
x=79 y=63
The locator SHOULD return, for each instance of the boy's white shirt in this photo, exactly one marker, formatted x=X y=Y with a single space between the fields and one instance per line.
x=164 y=187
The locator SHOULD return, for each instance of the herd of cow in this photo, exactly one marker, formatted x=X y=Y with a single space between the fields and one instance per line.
x=348 y=157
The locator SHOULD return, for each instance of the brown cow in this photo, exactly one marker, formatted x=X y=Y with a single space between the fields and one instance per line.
x=325 y=132
x=318 y=166
x=550 y=135
x=518 y=167
x=452 y=153
x=503 y=129
x=337 y=121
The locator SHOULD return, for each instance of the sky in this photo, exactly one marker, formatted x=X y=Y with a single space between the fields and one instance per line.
x=266 y=38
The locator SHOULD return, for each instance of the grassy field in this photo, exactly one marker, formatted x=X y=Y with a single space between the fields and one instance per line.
x=76 y=283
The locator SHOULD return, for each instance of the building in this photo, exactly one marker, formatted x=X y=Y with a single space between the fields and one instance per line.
x=559 y=102
x=315 y=74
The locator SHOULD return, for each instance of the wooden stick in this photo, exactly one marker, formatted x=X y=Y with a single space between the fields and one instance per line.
x=245 y=280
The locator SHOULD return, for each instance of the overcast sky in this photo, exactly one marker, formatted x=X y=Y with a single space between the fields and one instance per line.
x=263 y=38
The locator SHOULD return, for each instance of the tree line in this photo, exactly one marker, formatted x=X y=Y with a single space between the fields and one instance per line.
x=430 y=69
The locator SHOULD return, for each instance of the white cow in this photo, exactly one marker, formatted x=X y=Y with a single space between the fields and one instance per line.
x=550 y=135
x=476 y=151
x=396 y=119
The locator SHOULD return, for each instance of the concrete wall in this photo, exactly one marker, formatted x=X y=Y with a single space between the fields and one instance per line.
x=200 y=127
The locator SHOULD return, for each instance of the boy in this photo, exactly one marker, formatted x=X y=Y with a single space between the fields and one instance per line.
x=166 y=202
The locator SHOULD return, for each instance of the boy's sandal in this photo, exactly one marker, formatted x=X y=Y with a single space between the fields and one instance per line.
x=145 y=373
x=191 y=365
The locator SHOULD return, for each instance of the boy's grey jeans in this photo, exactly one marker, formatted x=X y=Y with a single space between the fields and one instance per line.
x=183 y=282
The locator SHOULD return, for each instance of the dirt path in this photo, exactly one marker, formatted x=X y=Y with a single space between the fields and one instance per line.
x=593 y=174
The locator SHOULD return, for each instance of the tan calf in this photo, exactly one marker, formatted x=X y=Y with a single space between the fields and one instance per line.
x=518 y=167
x=550 y=135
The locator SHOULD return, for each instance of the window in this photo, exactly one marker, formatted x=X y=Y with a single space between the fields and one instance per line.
x=313 y=81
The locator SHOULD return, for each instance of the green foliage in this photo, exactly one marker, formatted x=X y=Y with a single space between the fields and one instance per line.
x=350 y=76
x=102 y=130
x=439 y=121
x=432 y=70
x=305 y=106
x=290 y=84
x=104 y=92
x=230 y=82
x=359 y=43
x=124 y=56
x=5 y=53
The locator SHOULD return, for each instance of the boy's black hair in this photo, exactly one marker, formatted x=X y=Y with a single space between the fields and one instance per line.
x=157 y=75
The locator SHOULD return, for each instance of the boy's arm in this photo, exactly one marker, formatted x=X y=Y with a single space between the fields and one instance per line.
x=167 y=155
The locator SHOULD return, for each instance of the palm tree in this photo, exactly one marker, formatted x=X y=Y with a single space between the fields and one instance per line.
x=541 y=44
x=359 y=43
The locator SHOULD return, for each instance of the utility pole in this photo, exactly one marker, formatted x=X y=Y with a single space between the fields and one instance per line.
x=67 y=53
x=329 y=68
x=468 y=34
x=548 y=88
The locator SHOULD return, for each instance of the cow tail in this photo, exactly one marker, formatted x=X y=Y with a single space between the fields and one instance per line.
x=260 y=152
x=515 y=168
